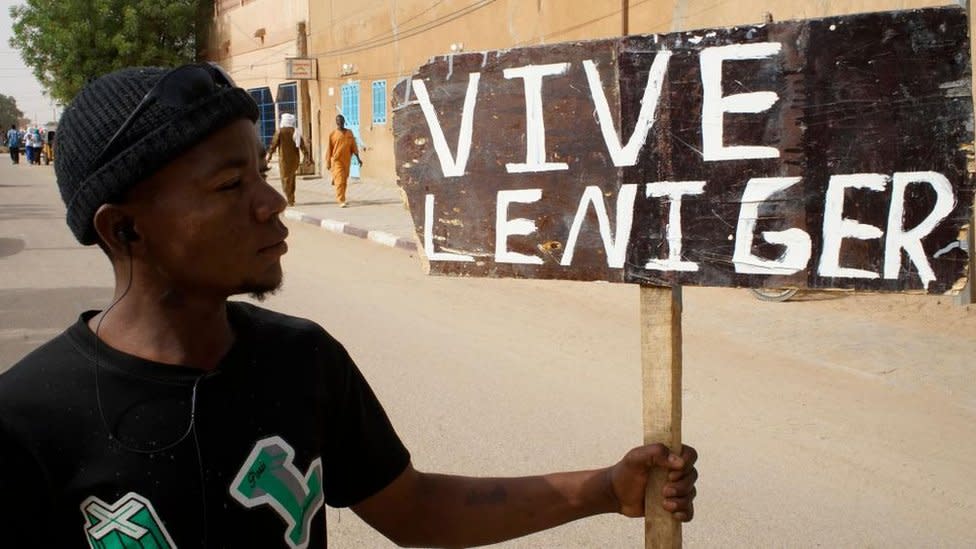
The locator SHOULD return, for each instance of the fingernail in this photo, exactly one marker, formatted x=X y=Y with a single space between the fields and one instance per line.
x=670 y=492
x=674 y=458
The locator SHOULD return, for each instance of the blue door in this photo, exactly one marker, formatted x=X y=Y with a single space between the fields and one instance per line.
x=266 y=114
x=350 y=110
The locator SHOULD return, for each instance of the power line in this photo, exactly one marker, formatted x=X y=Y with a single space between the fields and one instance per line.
x=333 y=21
x=386 y=39
x=259 y=63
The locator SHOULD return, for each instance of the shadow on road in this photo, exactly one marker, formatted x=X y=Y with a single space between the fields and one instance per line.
x=11 y=246
x=29 y=317
x=353 y=203
x=10 y=212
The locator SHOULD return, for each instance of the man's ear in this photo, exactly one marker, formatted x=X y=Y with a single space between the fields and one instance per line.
x=115 y=228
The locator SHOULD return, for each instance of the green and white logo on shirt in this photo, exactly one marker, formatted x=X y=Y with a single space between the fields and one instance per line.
x=269 y=477
x=130 y=522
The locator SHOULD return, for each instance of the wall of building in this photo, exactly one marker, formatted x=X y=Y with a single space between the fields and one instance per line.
x=360 y=43
x=252 y=39
x=386 y=40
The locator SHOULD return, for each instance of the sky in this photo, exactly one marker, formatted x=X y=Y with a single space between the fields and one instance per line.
x=16 y=79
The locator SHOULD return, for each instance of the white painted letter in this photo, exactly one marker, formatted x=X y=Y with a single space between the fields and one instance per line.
x=451 y=166
x=836 y=228
x=627 y=155
x=797 y=241
x=616 y=249
x=433 y=255
x=911 y=241
x=535 y=126
x=714 y=106
x=674 y=190
x=505 y=227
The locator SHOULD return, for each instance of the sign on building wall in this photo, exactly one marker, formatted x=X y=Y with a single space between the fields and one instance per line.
x=826 y=153
x=301 y=68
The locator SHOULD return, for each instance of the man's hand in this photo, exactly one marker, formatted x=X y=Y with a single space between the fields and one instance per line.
x=629 y=478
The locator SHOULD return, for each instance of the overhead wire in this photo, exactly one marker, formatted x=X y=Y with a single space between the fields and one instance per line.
x=368 y=43
x=386 y=39
x=391 y=37
x=275 y=51
x=334 y=21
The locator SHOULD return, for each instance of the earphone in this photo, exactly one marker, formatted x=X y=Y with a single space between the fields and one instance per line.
x=126 y=234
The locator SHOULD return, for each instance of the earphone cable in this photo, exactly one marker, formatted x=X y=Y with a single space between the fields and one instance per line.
x=98 y=393
x=203 y=485
x=191 y=428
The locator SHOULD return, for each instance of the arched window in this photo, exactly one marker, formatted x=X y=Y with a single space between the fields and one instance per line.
x=266 y=114
x=287 y=99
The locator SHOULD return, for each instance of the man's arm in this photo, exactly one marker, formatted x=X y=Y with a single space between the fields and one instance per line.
x=355 y=150
x=273 y=146
x=431 y=510
x=328 y=155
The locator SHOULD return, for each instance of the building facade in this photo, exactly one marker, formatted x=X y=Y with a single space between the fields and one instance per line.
x=363 y=49
x=252 y=40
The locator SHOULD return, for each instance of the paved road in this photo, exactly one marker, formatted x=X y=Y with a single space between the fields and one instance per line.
x=829 y=422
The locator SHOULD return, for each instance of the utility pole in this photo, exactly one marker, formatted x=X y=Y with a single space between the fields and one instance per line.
x=624 y=17
x=305 y=102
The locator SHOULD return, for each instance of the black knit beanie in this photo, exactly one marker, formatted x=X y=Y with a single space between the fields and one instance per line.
x=159 y=135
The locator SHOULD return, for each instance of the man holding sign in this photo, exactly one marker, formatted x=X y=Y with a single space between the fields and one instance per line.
x=175 y=417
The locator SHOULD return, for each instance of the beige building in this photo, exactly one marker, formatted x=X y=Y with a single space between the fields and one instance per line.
x=363 y=48
x=252 y=39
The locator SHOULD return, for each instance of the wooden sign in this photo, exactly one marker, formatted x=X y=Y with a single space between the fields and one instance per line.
x=826 y=153
x=301 y=68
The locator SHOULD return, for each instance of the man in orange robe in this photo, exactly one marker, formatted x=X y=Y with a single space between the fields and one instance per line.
x=342 y=146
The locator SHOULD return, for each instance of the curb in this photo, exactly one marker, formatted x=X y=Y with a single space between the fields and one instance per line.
x=341 y=227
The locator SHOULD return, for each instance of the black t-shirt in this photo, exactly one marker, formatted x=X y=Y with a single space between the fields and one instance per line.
x=285 y=422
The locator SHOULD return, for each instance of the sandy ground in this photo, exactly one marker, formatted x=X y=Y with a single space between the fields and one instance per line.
x=840 y=421
x=831 y=421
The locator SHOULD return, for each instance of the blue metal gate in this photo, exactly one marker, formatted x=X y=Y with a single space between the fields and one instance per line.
x=350 y=110
x=266 y=114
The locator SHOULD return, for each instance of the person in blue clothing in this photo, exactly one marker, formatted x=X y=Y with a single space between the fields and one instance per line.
x=29 y=146
x=13 y=143
x=38 y=144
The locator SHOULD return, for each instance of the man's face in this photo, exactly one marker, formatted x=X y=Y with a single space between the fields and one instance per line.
x=340 y=122
x=208 y=221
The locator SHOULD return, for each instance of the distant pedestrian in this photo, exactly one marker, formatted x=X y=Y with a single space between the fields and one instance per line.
x=29 y=145
x=13 y=143
x=288 y=143
x=342 y=146
x=49 y=147
x=37 y=144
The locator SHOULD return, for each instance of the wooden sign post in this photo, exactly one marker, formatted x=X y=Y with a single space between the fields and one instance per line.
x=660 y=313
x=827 y=153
